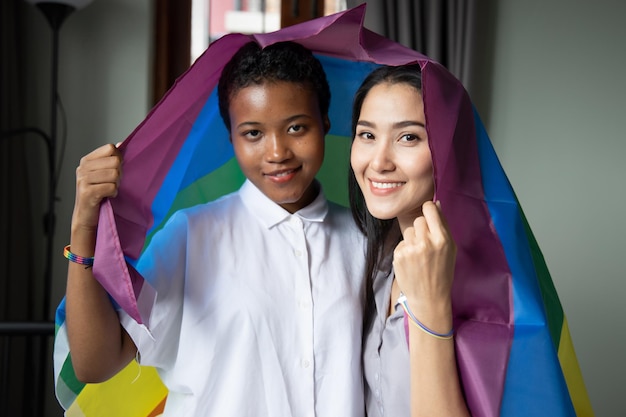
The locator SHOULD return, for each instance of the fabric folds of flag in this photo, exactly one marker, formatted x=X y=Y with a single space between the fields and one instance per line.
x=514 y=350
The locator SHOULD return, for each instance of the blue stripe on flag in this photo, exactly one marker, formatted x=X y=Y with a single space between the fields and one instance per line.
x=344 y=78
x=532 y=388
x=206 y=148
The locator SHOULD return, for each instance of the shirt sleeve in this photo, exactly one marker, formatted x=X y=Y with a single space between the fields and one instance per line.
x=163 y=265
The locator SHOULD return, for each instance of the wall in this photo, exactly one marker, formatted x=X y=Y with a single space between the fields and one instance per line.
x=557 y=122
x=104 y=80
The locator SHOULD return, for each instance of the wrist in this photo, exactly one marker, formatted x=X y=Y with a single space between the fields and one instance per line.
x=87 y=261
x=83 y=241
x=434 y=318
x=430 y=308
x=85 y=220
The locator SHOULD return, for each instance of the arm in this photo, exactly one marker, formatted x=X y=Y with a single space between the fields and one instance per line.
x=100 y=346
x=424 y=268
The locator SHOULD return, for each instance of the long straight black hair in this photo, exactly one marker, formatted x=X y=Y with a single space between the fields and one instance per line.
x=382 y=235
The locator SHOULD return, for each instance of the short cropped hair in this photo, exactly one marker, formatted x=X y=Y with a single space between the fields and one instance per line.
x=282 y=61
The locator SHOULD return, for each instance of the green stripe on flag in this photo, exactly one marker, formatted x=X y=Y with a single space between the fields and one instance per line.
x=549 y=295
x=217 y=183
x=69 y=377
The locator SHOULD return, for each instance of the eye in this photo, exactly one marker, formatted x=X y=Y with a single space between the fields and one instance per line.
x=365 y=135
x=295 y=129
x=410 y=138
x=252 y=134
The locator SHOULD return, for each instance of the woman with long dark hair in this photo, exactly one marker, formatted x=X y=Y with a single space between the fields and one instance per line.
x=411 y=254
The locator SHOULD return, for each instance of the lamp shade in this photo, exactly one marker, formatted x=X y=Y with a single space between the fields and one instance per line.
x=76 y=4
x=57 y=11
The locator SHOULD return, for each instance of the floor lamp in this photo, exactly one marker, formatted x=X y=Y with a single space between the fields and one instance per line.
x=55 y=12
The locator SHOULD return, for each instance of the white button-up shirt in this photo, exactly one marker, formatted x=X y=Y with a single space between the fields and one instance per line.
x=258 y=312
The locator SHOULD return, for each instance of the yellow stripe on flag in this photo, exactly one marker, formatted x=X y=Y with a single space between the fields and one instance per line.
x=136 y=391
x=573 y=376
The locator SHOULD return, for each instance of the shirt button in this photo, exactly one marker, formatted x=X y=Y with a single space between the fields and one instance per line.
x=376 y=377
x=377 y=394
x=297 y=252
x=305 y=363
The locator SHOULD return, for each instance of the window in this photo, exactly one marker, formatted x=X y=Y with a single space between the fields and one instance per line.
x=184 y=28
x=212 y=19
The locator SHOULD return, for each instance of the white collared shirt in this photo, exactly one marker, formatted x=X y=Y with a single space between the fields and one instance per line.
x=259 y=311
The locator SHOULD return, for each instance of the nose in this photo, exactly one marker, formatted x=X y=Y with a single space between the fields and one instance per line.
x=382 y=158
x=277 y=148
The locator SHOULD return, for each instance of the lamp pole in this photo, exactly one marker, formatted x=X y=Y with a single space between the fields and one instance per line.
x=55 y=13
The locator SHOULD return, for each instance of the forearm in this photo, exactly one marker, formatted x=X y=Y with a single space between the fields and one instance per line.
x=435 y=386
x=99 y=345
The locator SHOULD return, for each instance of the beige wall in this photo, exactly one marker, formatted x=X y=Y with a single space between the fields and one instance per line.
x=104 y=81
x=558 y=107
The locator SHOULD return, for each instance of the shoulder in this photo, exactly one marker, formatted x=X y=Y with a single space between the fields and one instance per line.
x=227 y=204
x=337 y=212
x=201 y=218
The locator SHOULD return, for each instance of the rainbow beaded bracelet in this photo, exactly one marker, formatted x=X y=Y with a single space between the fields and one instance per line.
x=72 y=257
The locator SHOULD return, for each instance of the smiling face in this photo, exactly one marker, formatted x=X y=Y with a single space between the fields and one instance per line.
x=390 y=156
x=278 y=131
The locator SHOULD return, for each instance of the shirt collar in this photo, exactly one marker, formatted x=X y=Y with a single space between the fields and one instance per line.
x=270 y=214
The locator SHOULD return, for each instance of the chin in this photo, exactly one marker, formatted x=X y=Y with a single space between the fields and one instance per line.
x=383 y=214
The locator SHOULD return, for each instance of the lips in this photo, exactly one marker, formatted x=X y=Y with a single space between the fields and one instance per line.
x=383 y=188
x=386 y=185
x=283 y=175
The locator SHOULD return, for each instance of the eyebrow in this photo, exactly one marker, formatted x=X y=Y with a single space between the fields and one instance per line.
x=287 y=120
x=298 y=116
x=397 y=125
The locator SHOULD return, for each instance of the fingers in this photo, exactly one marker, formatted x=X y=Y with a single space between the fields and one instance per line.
x=98 y=177
x=103 y=166
x=432 y=223
x=424 y=260
x=108 y=150
x=428 y=248
x=435 y=221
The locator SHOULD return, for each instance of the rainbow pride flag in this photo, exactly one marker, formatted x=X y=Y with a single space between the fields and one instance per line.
x=515 y=354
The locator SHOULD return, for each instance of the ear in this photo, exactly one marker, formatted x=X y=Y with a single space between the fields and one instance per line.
x=326 y=125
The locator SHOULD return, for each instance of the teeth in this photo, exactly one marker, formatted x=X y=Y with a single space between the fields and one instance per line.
x=282 y=174
x=387 y=184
